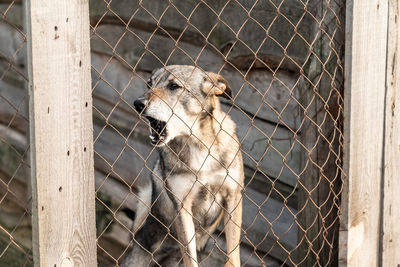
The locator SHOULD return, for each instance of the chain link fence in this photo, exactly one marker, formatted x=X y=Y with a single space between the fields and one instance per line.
x=15 y=190
x=284 y=62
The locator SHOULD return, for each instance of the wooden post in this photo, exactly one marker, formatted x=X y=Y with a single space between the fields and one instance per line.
x=372 y=138
x=391 y=200
x=61 y=133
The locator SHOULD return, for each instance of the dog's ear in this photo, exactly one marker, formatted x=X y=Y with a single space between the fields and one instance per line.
x=215 y=84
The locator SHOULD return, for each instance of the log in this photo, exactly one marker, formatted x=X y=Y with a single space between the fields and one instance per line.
x=13 y=147
x=14 y=195
x=235 y=16
x=131 y=49
x=118 y=193
x=13 y=106
x=269 y=225
x=275 y=188
x=125 y=162
x=12 y=39
x=273 y=95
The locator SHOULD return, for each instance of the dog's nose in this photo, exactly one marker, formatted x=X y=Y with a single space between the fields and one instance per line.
x=139 y=105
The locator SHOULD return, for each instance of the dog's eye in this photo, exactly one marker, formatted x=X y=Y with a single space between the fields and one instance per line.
x=149 y=83
x=173 y=86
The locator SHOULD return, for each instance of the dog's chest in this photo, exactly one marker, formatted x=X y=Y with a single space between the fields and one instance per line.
x=201 y=161
x=189 y=169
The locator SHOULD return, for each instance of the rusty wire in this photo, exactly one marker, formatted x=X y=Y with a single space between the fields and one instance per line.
x=15 y=206
x=316 y=92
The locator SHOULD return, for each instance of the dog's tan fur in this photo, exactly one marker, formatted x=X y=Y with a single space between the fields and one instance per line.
x=199 y=175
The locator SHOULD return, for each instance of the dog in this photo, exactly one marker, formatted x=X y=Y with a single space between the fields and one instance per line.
x=198 y=177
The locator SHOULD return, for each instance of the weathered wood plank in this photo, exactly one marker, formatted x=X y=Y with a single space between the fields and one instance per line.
x=270 y=225
x=145 y=51
x=270 y=96
x=61 y=133
x=344 y=201
x=365 y=75
x=222 y=30
x=119 y=193
x=11 y=41
x=267 y=147
x=13 y=195
x=13 y=107
x=273 y=96
x=391 y=197
x=13 y=147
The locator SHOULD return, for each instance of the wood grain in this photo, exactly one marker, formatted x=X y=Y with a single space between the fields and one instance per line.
x=344 y=202
x=365 y=92
x=61 y=133
x=391 y=200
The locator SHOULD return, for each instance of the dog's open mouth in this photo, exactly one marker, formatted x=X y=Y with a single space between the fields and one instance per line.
x=158 y=130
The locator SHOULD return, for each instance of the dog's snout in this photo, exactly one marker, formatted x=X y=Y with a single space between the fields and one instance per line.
x=139 y=105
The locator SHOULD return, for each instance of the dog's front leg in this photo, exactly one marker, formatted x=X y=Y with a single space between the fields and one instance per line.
x=186 y=233
x=233 y=224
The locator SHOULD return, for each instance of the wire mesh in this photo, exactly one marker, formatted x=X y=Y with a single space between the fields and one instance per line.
x=284 y=62
x=15 y=193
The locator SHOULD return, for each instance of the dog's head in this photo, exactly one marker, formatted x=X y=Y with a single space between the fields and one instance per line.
x=179 y=97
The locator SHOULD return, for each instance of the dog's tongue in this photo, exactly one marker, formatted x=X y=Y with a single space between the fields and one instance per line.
x=158 y=130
